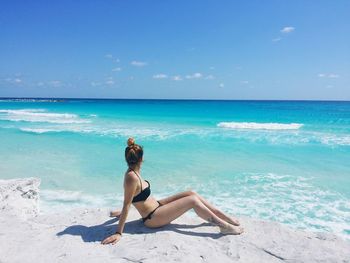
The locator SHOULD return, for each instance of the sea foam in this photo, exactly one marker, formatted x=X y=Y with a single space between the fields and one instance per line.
x=289 y=137
x=40 y=115
x=260 y=126
x=288 y=199
x=53 y=200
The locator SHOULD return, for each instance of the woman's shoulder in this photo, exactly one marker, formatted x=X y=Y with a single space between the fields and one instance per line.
x=130 y=177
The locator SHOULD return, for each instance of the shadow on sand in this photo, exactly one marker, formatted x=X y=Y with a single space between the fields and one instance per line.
x=100 y=232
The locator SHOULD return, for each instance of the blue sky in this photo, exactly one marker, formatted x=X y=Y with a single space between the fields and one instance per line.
x=176 y=49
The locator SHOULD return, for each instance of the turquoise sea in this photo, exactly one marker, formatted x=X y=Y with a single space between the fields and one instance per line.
x=287 y=161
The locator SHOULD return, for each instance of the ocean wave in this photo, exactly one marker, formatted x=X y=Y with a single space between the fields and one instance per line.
x=51 y=200
x=42 y=122
x=335 y=140
x=292 y=200
x=40 y=115
x=260 y=126
x=256 y=137
x=144 y=133
x=38 y=130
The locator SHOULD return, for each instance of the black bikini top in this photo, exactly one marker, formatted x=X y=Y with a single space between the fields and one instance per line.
x=144 y=194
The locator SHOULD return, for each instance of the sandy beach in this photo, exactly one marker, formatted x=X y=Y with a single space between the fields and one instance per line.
x=75 y=236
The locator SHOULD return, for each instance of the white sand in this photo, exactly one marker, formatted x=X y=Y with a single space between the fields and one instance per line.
x=75 y=236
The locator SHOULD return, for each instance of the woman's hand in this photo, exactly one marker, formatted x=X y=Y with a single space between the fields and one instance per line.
x=116 y=213
x=112 y=239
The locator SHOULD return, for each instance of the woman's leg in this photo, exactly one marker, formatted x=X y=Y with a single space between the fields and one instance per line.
x=115 y=213
x=213 y=209
x=170 y=211
x=217 y=212
x=174 y=197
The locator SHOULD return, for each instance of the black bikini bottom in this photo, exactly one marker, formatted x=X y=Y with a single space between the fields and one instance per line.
x=149 y=216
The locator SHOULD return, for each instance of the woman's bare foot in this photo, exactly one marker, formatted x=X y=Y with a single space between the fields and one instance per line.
x=115 y=213
x=232 y=221
x=231 y=230
x=229 y=219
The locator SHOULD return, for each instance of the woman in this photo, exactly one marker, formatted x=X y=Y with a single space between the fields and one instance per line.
x=159 y=213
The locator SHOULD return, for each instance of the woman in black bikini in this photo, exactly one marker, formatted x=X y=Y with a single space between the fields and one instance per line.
x=159 y=213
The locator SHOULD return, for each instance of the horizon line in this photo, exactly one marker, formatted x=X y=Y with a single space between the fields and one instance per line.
x=167 y=99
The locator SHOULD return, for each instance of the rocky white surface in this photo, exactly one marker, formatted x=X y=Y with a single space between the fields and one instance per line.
x=75 y=236
x=19 y=197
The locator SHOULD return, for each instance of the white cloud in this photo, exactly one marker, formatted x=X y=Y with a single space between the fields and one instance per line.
x=221 y=85
x=160 y=76
x=95 y=84
x=117 y=69
x=194 y=76
x=55 y=83
x=244 y=82
x=110 y=56
x=328 y=75
x=13 y=81
x=210 y=77
x=110 y=82
x=287 y=29
x=138 y=63
x=177 y=78
x=333 y=76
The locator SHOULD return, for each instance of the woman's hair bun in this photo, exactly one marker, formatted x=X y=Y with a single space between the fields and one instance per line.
x=131 y=141
x=133 y=153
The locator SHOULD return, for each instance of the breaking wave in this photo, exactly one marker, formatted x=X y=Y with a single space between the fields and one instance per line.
x=292 y=200
x=40 y=115
x=260 y=126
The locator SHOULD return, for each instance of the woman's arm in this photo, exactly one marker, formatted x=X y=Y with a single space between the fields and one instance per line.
x=129 y=191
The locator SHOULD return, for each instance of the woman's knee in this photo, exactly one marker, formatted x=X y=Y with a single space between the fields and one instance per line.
x=192 y=193
x=194 y=200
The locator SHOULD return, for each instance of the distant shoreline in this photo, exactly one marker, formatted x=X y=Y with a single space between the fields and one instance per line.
x=59 y=99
